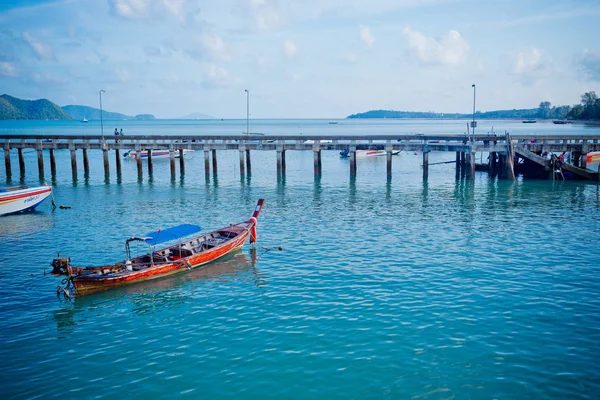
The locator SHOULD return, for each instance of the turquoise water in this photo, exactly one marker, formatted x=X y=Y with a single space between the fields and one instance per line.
x=396 y=288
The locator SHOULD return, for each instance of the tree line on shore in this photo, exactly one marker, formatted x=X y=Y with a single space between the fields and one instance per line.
x=589 y=109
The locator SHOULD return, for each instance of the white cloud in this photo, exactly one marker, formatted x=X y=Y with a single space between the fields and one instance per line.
x=43 y=51
x=150 y=9
x=218 y=77
x=290 y=48
x=589 y=63
x=8 y=69
x=263 y=15
x=350 y=57
x=528 y=62
x=366 y=36
x=450 y=49
x=215 y=47
x=48 y=78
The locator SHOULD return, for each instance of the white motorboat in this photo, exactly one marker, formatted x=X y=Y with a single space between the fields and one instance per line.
x=155 y=154
x=368 y=153
x=22 y=198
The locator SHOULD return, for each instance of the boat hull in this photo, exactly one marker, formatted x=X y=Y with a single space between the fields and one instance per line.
x=156 y=154
x=592 y=158
x=87 y=284
x=24 y=200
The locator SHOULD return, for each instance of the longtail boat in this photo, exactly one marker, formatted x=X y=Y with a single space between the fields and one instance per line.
x=183 y=256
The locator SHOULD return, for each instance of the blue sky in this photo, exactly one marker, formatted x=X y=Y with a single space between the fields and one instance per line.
x=299 y=59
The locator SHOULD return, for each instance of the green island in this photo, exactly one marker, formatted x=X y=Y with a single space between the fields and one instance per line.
x=588 y=109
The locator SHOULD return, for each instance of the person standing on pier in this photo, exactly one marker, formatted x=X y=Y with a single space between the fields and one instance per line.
x=116 y=136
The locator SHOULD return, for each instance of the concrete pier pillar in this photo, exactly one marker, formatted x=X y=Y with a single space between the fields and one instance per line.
x=317 y=162
x=172 y=161
x=86 y=162
x=242 y=163
x=206 y=162
x=248 y=163
x=74 y=163
x=40 y=157
x=493 y=165
x=106 y=164
x=181 y=163
x=214 y=161
x=138 y=161
x=118 y=161
x=7 y=161
x=150 y=167
x=471 y=164
x=21 y=162
x=279 y=162
x=283 y=164
x=388 y=155
x=353 y=163
x=425 y=164
x=52 y=163
x=457 y=159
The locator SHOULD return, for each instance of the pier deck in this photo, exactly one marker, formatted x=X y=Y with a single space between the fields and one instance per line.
x=499 y=147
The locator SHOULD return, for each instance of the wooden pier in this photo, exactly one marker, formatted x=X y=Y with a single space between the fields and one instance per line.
x=506 y=153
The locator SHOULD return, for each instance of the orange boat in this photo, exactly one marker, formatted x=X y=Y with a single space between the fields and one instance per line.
x=183 y=256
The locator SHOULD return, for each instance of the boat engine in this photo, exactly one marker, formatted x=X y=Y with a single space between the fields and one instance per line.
x=61 y=266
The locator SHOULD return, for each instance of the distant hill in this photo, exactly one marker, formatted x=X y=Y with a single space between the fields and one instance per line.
x=80 y=112
x=144 y=117
x=196 y=116
x=13 y=108
x=498 y=114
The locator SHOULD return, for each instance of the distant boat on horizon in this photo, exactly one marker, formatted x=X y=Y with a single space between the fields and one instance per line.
x=529 y=121
x=333 y=122
x=84 y=119
x=561 y=122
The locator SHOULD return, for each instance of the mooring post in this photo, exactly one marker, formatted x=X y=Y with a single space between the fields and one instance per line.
x=40 y=159
x=214 y=160
x=425 y=163
x=206 y=162
x=283 y=165
x=138 y=159
x=7 y=158
x=21 y=161
x=457 y=159
x=86 y=162
x=118 y=160
x=242 y=162
x=492 y=165
x=248 y=163
x=463 y=158
x=172 y=160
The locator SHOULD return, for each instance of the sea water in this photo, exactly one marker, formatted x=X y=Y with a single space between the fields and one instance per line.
x=385 y=288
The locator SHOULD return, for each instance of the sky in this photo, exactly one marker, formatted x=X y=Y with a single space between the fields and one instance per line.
x=299 y=59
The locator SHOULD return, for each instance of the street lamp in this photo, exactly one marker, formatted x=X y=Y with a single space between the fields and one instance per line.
x=101 y=122
x=473 y=125
x=247 y=111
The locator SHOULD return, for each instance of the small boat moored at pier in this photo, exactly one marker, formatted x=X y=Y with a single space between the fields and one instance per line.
x=184 y=255
x=368 y=153
x=22 y=198
x=132 y=154
x=592 y=158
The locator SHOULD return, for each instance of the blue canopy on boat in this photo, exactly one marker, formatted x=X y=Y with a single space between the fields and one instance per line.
x=176 y=232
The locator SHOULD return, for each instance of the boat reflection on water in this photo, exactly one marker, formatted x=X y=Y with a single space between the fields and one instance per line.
x=157 y=295
x=25 y=224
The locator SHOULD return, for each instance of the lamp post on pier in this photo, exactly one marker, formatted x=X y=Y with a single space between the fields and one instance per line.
x=473 y=124
x=247 y=111
x=101 y=121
